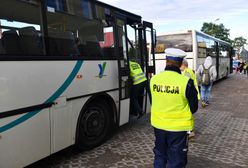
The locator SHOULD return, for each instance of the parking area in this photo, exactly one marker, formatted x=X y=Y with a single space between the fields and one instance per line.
x=220 y=141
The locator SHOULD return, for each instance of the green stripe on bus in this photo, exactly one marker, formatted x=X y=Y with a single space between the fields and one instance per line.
x=51 y=99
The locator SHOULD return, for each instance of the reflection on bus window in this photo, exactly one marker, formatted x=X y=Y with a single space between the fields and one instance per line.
x=58 y=5
x=133 y=44
x=206 y=46
x=20 y=30
x=181 y=41
x=74 y=32
x=224 y=50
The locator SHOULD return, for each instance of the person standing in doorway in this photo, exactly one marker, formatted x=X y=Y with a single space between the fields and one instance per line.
x=207 y=75
x=137 y=90
x=174 y=100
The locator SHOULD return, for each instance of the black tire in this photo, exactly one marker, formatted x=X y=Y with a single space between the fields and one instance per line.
x=94 y=125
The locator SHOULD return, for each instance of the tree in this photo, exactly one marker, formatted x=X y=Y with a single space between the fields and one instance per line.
x=239 y=42
x=218 y=31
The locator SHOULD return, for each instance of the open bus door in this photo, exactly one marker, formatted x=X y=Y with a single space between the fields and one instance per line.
x=132 y=41
x=149 y=41
x=123 y=68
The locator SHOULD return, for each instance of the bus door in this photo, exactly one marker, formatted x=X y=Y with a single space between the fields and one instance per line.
x=217 y=60
x=123 y=68
x=149 y=38
x=149 y=46
x=134 y=52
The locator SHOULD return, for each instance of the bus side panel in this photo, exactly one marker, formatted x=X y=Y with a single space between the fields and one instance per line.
x=224 y=66
x=61 y=118
x=29 y=83
x=26 y=83
x=95 y=79
x=195 y=51
x=25 y=143
x=190 y=60
x=160 y=62
x=64 y=114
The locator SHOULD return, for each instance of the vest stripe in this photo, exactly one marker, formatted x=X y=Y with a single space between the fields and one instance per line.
x=136 y=73
x=140 y=74
x=141 y=79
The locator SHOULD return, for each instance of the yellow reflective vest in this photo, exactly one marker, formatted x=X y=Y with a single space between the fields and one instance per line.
x=136 y=73
x=189 y=73
x=170 y=110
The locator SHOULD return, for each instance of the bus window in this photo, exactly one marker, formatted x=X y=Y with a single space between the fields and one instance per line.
x=224 y=50
x=133 y=43
x=74 y=32
x=122 y=42
x=58 y=5
x=181 y=41
x=206 y=46
x=107 y=43
x=20 y=30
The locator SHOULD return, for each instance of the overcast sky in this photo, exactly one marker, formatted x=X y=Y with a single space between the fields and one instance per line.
x=171 y=15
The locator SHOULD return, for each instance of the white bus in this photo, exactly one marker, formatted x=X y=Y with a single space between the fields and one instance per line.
x=64 y=76
x=198 y=46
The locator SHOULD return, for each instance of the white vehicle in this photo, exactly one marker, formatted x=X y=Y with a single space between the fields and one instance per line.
x=198 y=46
x=64 y=75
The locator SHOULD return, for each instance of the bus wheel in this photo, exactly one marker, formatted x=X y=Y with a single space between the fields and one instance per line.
x=94 y=125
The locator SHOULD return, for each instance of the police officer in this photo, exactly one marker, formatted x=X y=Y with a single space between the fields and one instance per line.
x=191 y=74
x=186 y=71
x=174 y=100
x=139 y=83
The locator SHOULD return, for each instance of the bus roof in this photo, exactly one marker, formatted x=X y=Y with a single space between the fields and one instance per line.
x=191 y=31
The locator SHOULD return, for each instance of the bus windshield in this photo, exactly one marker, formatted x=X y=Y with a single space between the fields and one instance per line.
x=181 y=41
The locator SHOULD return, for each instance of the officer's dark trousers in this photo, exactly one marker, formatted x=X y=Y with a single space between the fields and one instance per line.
x=170 y=149
x=137 y=92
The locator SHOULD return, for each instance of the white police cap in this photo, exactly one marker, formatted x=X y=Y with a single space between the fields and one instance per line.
x=175 y=54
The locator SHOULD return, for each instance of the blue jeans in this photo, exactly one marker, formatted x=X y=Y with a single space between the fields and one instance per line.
x=205 y=92
x=170 y=149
